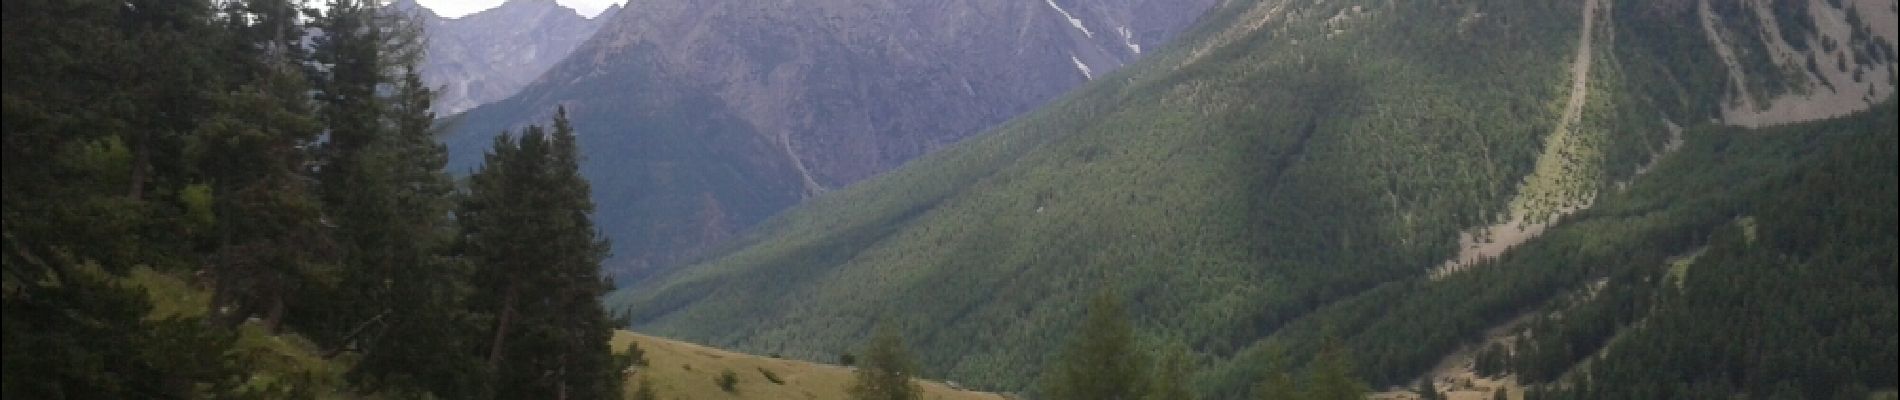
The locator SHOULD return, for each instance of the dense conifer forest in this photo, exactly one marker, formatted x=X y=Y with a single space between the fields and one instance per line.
x=246 y=199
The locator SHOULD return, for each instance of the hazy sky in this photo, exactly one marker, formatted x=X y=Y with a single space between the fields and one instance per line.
x=457 y=8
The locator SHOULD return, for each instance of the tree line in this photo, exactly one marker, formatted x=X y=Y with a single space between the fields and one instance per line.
x=283 y=156
x=1103 y=360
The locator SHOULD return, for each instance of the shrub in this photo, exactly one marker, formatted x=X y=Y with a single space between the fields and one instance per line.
x=728 y=381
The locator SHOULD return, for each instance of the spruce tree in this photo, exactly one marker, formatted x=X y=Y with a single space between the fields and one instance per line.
x=269 y=234
x=527 y=231
x=1171 y=376
x=1101 y=361
x=1428 y=390
x=1277 y=384
x=887 y=370
x=1332 y=377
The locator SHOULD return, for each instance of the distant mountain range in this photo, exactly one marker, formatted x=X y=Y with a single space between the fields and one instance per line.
x=701 y=118
x=489 y=55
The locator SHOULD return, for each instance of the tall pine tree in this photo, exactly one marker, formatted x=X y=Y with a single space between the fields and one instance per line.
x=1171 y=376
x=1101 y=361
x=527 y=230
x=1332 y=377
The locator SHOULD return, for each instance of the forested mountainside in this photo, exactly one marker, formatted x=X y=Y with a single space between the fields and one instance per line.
x=487 y=56
x=706 y=117
x=1407 y=177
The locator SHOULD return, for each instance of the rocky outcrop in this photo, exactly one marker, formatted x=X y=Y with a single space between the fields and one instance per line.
x=490 y=55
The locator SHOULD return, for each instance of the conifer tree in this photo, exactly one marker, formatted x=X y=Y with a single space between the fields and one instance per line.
x=1428 y=390
x=1101 y=361
x=102 y=101
x=1332 y=377
x=1171 y=376
x=887 y=370
x=1278 y=383
x=268 y=234
x=526 y=227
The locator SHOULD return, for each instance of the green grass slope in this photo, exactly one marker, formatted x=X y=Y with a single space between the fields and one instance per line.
x=680 y=370
x=1286 y=170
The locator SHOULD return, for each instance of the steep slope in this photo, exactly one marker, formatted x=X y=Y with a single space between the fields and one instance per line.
x=701 y=118
x=489 y=55
x=1287 y=168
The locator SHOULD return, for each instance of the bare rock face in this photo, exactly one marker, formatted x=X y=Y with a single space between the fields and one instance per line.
x=490 y=55
x=700 y=118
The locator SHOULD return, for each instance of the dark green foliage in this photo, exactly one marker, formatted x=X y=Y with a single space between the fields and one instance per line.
x=846 y=359
x=1720 y=176
x=771 y=376
x=1171 y=376
x=268 y=235
x=1812 y=251
x=102 y=100
x=727 y=381
x=1491 y=361
x=1332 y=375
x=1101 y=360
x=527 y=232
x=888 y=371
x=1276 y=383
x=147 y=141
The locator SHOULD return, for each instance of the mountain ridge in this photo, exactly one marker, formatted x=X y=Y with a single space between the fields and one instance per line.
x=488 y=55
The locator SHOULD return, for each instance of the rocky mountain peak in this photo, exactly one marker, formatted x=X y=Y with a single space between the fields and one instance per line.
x=489 y=55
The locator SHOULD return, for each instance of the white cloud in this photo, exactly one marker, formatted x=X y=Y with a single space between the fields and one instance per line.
x=458 y=8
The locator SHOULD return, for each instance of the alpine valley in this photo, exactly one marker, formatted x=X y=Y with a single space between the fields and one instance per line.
x=1601 y=198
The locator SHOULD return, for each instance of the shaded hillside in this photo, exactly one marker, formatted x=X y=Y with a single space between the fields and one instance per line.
x=1284 y=169
x=487 y=56
x=706 y=117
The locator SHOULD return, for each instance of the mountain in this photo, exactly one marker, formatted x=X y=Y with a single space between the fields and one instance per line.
x=1401 y=176
x=702 y=118
x=489 y=55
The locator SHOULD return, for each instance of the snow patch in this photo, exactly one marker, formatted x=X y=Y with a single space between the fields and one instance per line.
x=1073 y=21
x=1128 y=39
x=1080 y=66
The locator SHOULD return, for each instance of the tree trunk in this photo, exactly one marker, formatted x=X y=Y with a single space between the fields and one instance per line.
x=561 y=382
x=221 y=290
x=141 y=164
x=274 y=318
x=501 y=325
